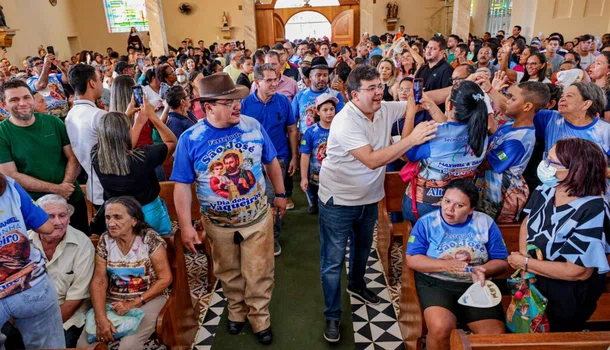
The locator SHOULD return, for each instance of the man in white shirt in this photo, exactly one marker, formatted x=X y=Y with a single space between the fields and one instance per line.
x=584 y=49
x=70 y=258
x=351 y=184
x=325 y=52
x=82 y=123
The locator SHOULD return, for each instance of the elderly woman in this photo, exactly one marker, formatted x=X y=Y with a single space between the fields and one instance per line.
x=578 y=116
x=568 y=220
x=449 y=249
x=127 y=171
x=69 y=255
x=27 y=294
x=131 y=271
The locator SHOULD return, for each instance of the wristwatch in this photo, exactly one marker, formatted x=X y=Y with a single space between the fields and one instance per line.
x=280 y=195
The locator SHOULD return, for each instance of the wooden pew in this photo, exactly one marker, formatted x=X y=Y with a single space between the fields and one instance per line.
x=178 y=320
x=539 y=341
x=394 y=189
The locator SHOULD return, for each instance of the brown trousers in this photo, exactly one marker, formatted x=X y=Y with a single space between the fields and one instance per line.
x=245 y=270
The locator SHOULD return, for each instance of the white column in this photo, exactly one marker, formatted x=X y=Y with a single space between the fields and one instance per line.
x=524 y=15
x=249 y=15
x=158 y=39
x=478 y=22
x=461 y=18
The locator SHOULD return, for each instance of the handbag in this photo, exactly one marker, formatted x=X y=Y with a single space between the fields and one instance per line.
x=526 y=312
x=408 y=174
x=125 y=325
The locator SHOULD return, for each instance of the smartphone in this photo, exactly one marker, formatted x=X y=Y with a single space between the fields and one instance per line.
x=138 y=95
x=50 y=50
x=418 y=89
x=140 y=63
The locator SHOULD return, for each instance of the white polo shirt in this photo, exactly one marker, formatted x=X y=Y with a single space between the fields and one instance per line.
x=82 y=123
x=71 y=270
x=344 y=177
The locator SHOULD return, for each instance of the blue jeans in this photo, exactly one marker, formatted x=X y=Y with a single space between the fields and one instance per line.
x=337 y=223
x=156 y=215
x=422 y=208
x=37 y=316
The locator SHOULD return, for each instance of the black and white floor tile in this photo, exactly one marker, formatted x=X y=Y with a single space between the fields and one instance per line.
x=211 y=319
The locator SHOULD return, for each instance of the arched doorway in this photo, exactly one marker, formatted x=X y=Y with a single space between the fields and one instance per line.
x=307 y=24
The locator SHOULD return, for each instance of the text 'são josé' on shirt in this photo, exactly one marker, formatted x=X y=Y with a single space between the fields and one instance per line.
x=344 y=177
x=475 y=241
x=22 y=265
x=227 y=165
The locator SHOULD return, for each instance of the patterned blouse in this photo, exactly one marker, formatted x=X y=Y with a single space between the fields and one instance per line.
x=574 y=232
x=131 y=274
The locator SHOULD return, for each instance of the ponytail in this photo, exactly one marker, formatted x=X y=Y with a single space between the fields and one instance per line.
x=469 y=104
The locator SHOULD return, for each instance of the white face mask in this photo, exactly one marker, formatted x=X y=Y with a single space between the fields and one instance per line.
x=546 y=174
x=181 y=78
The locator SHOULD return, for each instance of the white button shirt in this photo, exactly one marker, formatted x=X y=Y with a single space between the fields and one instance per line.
x=71 y=270
x=344 y=177
x=82 y=123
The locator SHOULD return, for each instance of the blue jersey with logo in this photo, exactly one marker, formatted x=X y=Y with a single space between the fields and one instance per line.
x=551 y=126
x=227 y=165
x=314 y=144
x=475 y=241
x=510 y=150
x=446 y=157
x=303 y=106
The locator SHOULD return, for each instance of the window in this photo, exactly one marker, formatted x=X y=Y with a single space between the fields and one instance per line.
x=281 y=4
x=498 y=16
x=121 y=15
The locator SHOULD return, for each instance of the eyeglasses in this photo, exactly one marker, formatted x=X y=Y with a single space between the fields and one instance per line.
x=548 y=161
x=228 y=103
x=406 y=90
x=39 y=63
x=456 y=81
x=373 y=88
x=532 y=64
x=270 y=81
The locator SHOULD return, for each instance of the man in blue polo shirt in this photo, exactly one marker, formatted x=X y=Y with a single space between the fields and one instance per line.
x=273 y=111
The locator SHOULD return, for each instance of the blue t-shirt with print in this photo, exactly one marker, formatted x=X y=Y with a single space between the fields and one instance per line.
x=314 y=144
x=303 y=106
x=475 y=241
x=275 y=116
x=510 y=150
x=54 y=95
x=447 y=156
x=551 y=126
x=227 y=164
x=23 y=263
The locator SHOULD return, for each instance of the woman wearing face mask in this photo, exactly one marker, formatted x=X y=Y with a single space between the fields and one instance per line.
x=181 y=79
x=449 y=249
x=567 y=221
x=456 y=152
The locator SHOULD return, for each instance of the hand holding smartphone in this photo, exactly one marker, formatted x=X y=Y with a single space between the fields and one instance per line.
x=418 y=89
x=138 y=95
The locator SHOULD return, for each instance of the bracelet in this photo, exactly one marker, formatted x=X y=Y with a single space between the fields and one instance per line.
x=144 y=300
x=488 y=91
x=527 y=259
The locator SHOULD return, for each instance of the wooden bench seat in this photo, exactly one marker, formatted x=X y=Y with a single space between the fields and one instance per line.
x=539 y=341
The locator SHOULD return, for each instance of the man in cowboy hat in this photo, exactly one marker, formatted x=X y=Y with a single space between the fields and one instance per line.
x=238 y=222
x=318 y=74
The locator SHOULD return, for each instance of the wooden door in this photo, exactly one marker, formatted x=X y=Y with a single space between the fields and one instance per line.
x=278 y=29
x=342 y=28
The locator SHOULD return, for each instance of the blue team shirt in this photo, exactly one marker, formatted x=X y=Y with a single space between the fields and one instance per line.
x=275 y=116
x=314 y=143
x=227 y=164
x=476 y=241
x=303 y=106
x=19 y=213
x=54 y=95
x=551 y=126
x=510 y=150
x=445 y=157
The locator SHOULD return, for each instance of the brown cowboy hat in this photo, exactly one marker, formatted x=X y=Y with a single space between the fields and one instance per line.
x=220 y=86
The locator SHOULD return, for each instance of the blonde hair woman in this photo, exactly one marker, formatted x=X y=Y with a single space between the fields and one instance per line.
x=387 y=75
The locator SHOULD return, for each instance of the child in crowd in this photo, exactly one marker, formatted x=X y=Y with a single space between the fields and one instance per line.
x=313 y=148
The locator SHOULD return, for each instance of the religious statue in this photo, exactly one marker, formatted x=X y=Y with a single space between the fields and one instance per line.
x=225 y=20
x=389 y=7
x=2 y=18
x=395 y=10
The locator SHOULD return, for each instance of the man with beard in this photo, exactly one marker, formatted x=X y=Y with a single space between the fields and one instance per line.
x=484 y=58
x=240 y=226
x=35 y=151
x=351 y=185
x=305 y=99
x=436 y=72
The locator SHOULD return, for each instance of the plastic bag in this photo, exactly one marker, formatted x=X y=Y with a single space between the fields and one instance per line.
x=125 y=325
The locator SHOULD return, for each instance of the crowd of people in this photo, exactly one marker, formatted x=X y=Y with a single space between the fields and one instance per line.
x=502 y=132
